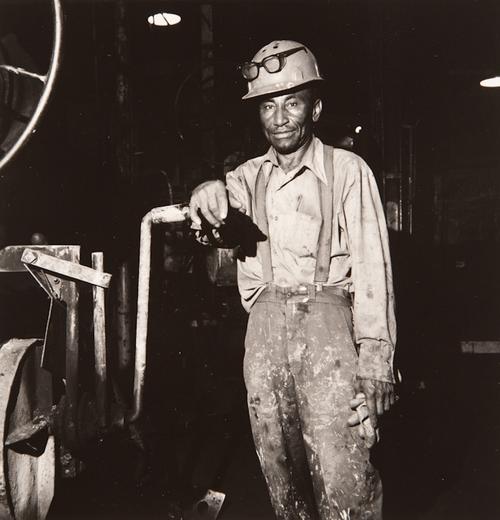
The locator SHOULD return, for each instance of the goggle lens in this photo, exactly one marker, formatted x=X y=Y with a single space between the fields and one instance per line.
x=250 y=71
x=272 y=64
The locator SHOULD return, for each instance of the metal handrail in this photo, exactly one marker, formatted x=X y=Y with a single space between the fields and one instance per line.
x=161 y=215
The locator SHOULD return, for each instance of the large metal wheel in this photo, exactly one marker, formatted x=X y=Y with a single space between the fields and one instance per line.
x=26 y=480
x=26 y=125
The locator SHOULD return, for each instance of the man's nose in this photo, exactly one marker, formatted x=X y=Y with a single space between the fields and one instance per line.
x=280 y=116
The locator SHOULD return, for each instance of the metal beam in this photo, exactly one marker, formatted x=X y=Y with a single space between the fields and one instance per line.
x=65 y=268
x=100 y=342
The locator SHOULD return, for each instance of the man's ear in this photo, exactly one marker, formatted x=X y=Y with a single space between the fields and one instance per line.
x=317 y=108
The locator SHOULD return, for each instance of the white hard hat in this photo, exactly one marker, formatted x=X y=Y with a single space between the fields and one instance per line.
x=281 y=65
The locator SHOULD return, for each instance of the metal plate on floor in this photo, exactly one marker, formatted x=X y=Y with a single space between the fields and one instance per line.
x=208 y=507
x=480 y=347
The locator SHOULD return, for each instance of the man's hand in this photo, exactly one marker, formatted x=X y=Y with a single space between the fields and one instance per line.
x=378 y=397
x=211 y=198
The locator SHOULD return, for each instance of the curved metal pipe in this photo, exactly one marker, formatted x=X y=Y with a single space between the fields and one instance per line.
x=49 y=84
x=161 y=215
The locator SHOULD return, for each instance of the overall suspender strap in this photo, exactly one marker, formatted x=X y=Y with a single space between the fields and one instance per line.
x=323 y=255
x=263 y=248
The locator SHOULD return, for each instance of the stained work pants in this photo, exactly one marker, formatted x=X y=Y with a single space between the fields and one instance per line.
x=300 y=366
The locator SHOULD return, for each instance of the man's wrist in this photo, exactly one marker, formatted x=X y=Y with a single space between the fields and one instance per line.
x=375 y=361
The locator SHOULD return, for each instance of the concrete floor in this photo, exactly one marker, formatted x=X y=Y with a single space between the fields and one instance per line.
x=439 y=458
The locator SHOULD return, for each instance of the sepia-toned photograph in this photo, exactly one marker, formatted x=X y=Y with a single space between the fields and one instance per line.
x=250 y=259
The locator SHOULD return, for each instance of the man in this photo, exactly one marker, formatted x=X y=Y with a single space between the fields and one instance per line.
x=321 y=330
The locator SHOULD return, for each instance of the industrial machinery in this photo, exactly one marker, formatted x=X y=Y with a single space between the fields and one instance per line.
x=34 y=410
x=43 y=422
x=58 y=392
x=21 y=105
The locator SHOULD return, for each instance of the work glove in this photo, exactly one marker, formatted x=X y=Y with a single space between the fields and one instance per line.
x=238 y=231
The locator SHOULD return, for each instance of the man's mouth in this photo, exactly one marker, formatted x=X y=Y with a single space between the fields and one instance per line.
x=282 y=135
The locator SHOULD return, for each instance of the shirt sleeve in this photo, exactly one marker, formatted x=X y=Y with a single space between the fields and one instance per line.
x=373 y=308
x=237 y=186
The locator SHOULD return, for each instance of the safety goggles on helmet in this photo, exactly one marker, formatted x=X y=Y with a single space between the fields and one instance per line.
x=273 y=64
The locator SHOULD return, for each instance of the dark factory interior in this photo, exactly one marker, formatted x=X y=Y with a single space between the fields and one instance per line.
x=132 y=115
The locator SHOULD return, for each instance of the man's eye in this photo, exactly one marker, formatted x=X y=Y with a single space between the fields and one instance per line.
x=267 y=107
x=292 y=104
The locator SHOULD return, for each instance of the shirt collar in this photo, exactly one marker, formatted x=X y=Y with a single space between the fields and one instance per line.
x=313 y=160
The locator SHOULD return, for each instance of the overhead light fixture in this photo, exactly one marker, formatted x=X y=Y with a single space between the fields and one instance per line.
x=164 y=19
x=491 y=82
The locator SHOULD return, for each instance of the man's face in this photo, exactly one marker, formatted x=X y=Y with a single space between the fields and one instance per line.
x=287 y=120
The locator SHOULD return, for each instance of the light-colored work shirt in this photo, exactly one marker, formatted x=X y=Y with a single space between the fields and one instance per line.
x=360 y=259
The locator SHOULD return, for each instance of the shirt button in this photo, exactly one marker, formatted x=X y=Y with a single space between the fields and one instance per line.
x=275 y=218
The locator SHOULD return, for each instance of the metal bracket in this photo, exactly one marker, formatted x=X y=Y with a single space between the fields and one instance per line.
x=208 y=507
x=50 y=283
x=65 y=268
x=30 y=438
